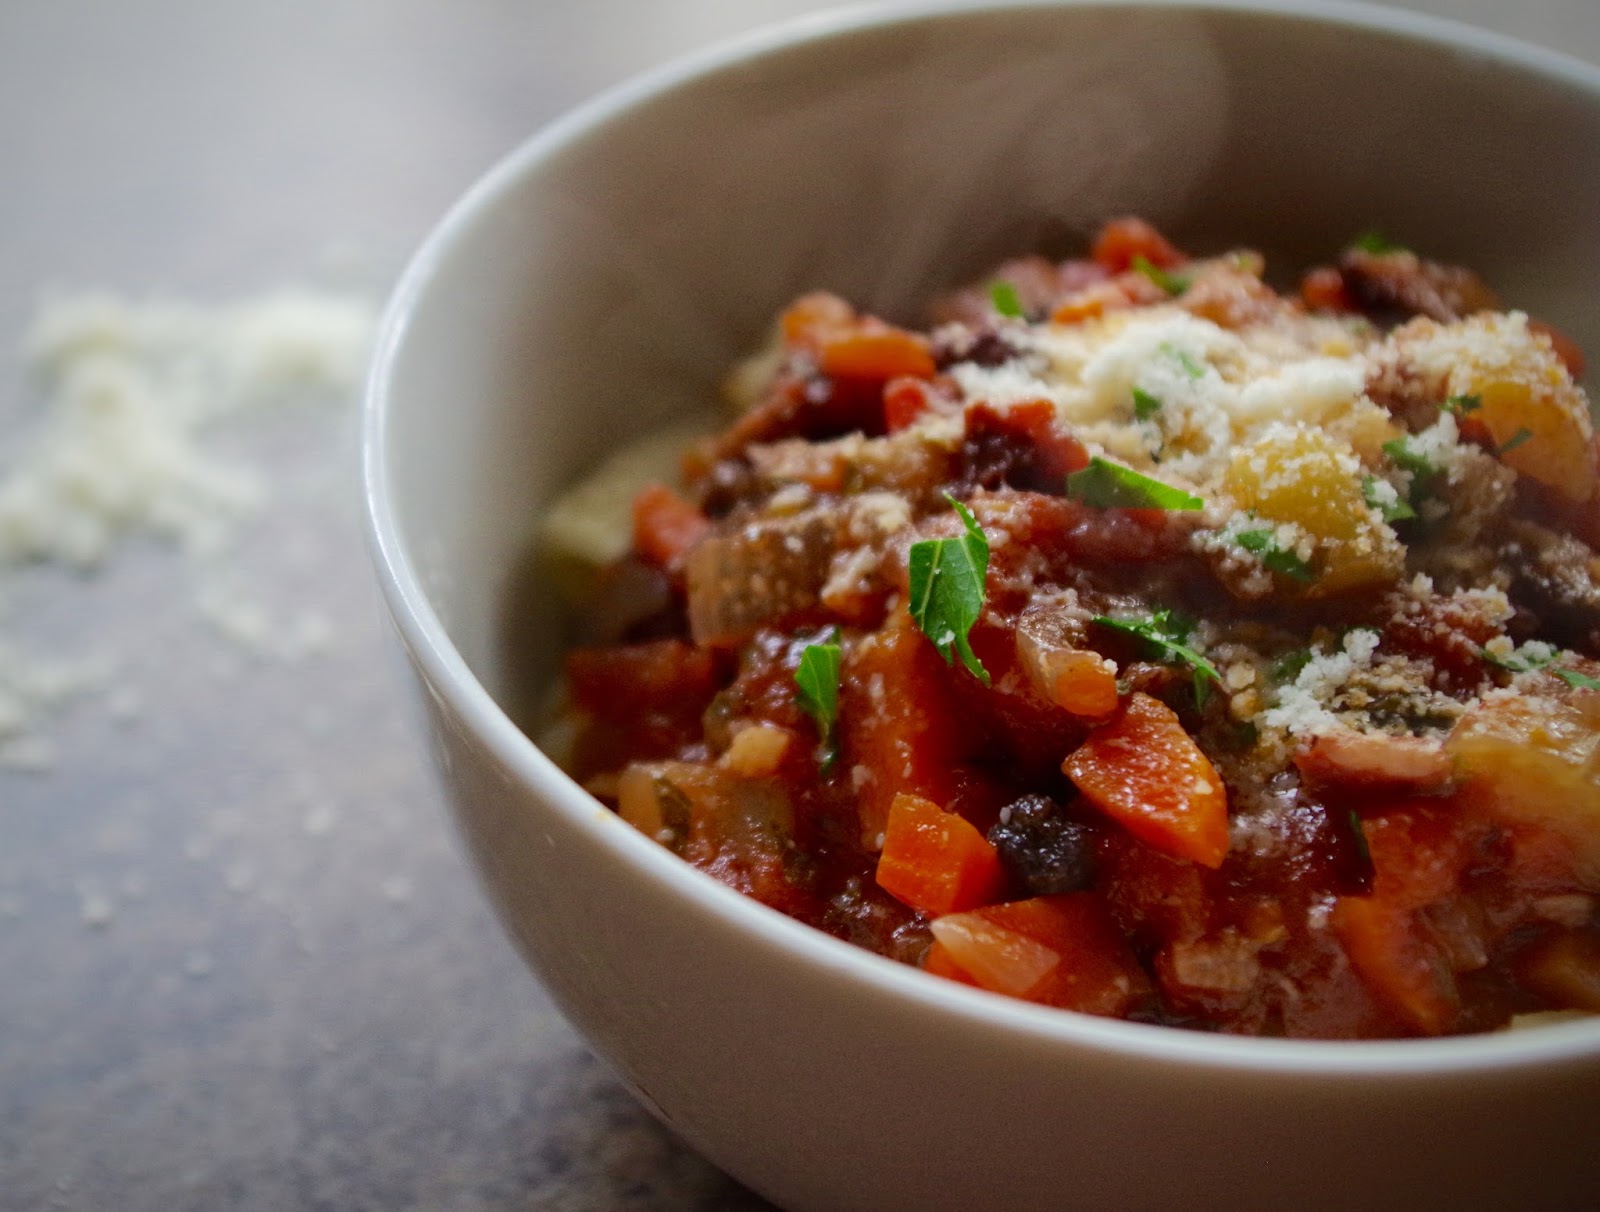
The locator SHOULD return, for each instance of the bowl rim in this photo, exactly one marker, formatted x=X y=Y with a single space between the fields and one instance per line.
x=429 y=645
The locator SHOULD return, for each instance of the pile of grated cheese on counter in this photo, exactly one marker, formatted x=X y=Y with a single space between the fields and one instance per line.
x=125 y=445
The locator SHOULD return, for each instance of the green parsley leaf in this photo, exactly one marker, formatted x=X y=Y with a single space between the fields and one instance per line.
x=1183 y=358
x=947 y=578
x=1107 y=485
x=1359 y=835
x=1145 y=405
x=1287 y=667
x=1462 y=405
x=1275 y=558
x=1521 y=661
x=1396 y=510
x=1408 y=458
x=817 y=684
x=1173 y=284
x=1514 y=441
x=1376 y=243
x=1004 y=297
x=1168 y=633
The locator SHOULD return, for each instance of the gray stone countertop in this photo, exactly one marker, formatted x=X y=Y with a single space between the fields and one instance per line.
x=243 y=962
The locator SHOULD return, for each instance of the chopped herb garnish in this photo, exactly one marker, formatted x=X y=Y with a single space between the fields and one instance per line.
x=1407 y=458
x=1514 y=441
x=1274 y=556
x=1004 y=297
x=1184 y=359
x=1287 y=667
x=1376 y=243
x=1521 y=661
x=1145 y=405
x=675 y=808
x=1359 y=836
x=1107 y=485
x=1390 y=506
x=1168 y=633
x=1173 y=284
x=947 y=578
x=1462 y=405
x=1541 y=656
x=817 y=683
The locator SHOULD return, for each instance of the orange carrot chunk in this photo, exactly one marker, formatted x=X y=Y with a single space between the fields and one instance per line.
x=875 y=350
x=1146 y=773
x=1123 y=241
x=1063 y=951
x=665 y=526
x=897 y=723
x=936 y=861
x=852 y=346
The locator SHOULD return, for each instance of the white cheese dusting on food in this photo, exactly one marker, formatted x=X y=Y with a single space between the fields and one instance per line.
x=1303 y=706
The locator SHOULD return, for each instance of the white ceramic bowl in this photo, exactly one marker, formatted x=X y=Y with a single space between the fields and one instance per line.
x=600 y=280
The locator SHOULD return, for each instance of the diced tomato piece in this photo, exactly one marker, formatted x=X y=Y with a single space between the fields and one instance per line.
x=665 y=525
x=645 y=701
x=935 y=861
x=625 y=681
x=1419 y=850
x=898 y=725
x=1051 y=451
x=1061 y=951
x=904 y=400
x=1124 y=240
x=1323 y=289
x=1144 y=771
x=1404 y=968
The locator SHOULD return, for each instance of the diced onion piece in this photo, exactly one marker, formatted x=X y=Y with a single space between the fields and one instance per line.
x=1074 y=679
x=644 y=801
x=937 y=962
x=997 y=958
x=757 y=751
x=1063 y=951
x=744 y=579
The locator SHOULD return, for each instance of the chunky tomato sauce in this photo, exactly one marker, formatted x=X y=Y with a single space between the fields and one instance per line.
x=1141 y=641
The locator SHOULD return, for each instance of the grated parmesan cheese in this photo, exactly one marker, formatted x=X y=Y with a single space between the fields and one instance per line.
x=121 y=448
